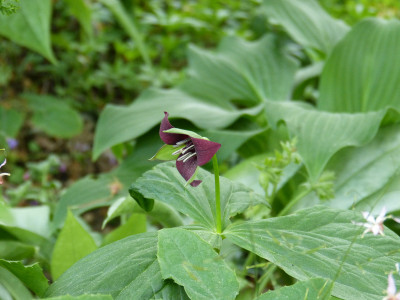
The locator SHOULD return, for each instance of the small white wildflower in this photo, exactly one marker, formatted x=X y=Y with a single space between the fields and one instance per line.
x=3 y=174
x=375 y=225
x=391 y=289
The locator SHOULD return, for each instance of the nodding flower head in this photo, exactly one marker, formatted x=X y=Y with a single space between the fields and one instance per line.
x=189 y=149
x=3 y=174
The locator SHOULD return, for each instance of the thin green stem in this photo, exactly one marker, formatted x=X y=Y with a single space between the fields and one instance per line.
x=293 y=202
x=217 y=195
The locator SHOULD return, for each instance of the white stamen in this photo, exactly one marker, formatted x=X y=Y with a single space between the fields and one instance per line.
x=193 y=154
x=177 y=152
x=187 y=149
x=181 y=142
x=184 y=156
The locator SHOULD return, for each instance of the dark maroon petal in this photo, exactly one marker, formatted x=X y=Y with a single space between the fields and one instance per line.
x=195 y=183
x=169 y=138
x=187 y=168
x=205 y=150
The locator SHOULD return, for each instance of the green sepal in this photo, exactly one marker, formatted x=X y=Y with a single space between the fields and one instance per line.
x=185 y=132
x=145 y=203
x=165 y=152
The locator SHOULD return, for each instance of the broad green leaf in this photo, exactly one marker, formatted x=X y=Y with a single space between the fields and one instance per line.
x=32 y=219
x=83 y=297
x=322 y=134
x=32 y=276
x=54 y=116
x=248 y=72
x=363 y=71
x=164 y=183
x=171 y=291
x=73 y=243
x=134 y=225
x=387 y=196
x=363 y=173
x=126 y=269
x=123 y=205
x=118 y=124
x=11 y=121
x=85 y=193
x=313 y=289
x=82 y=11
x=315 y=242
x=12 y=286
x=14 y=250
x=191 y=262
x=307 y=23
x=161 y=212
x=30 y=26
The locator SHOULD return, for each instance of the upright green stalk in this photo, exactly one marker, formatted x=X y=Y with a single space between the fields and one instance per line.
x=217 y=195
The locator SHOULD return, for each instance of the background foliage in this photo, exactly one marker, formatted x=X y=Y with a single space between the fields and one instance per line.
x=302 y=95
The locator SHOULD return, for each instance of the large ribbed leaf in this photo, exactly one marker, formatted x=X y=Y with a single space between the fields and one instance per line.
x=248 y=72
x=126 y=269
x=306 y=22
x=322 y=134
x=367 y=177
x=118 y=124
x=193 y=263
x=30 y=26
x=164 y=183
x=323 y=242
x=363 y=72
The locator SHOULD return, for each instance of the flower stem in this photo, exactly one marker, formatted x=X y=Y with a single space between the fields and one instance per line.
x=217 y=195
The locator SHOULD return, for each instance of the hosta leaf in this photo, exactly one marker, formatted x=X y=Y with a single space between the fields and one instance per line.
x=32 y=219
x=191 y=262
x=363 y=71
x=365 y=171
x=118 y=124
x=322 y=134
x=249 y=72
x=14 y=250
x=29 y=29
x=307 y=23
x=73 y=243
x=126 y=269
x=316 y=288
x=323 y=242
x=32 y=276
x=164 y=183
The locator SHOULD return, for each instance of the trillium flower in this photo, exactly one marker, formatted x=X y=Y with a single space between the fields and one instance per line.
x=3 y=174
x=189 y=149
x=391 y=289
x=375 y=225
